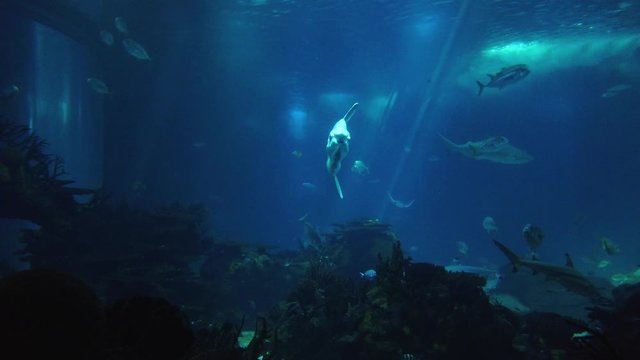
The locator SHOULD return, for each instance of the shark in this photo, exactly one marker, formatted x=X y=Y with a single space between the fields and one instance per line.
x=568 y=277
x=338 y=146
x=495 y=149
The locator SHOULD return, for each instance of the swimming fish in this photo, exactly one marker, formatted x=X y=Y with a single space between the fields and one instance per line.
x=106 y=37
x=399 y=203
x=360 y=168
x=8 y=93
x=506 y=76
x=615 y=90
x=567 y=276
x=369 y=274
x=121 y=25
x=297 y=153
x=463 y=248
x=533 y=236
x=135 y=49
x=489 y=224
x=609 y=246
x=495 y=149
x=338 y=146
x=98 y=86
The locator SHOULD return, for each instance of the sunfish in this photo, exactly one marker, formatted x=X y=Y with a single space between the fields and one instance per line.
x=495 y=149
x=338 y=146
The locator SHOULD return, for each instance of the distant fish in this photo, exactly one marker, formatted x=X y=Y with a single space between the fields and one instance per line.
x=603 y=264
x=8 y=93
x=360 y=168
x=369 y=274
x=463 y=248
x=98 y=86
x=135 y=49
x=106 y=37
x=495 y=149
x=297 y=153
x=309 y=186
x=489 y=224
x=398 y=203
x=121 y=25
x=199 y=144
x=609 y=246
x=615 y=90
x=506 y=76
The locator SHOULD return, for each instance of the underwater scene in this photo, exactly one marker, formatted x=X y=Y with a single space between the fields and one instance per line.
x=328 y=179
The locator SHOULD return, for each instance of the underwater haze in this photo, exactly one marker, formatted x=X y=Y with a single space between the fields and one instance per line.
x=474 y=118
x=235 y=104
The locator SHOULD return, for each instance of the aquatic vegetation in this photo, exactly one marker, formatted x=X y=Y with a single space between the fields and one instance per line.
x=31 y=186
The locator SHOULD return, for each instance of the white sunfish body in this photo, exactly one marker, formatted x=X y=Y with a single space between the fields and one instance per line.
x=338 y=146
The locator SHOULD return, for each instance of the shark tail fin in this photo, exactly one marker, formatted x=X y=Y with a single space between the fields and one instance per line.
x=338 y=187
x=450 y=144
x=480 y=87
x=350 y=113
x=513 y=257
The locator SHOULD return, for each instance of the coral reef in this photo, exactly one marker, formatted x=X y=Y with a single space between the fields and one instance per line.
x=417 y=309
x=30 y=183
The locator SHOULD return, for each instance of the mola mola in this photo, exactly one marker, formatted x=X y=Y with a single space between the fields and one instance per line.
x=338 y=146
x=495 y=148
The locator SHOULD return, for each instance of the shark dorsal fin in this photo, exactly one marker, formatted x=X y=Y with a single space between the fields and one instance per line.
x=568 y=262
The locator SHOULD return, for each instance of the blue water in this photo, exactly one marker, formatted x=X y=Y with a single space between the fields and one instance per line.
x=234 y=87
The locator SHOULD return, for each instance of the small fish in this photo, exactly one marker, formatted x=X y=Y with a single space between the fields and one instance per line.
x=98 y=86
x=398 y=203
x=199 y=144
x=463 y=248
x=506 y=76
x=615 y=90
x=489 y=224
x=603 y=264
x=309 y=186
x=8 y=93
x=369 y=274
x=609 y=246
x=135 y=49
x=121 y=25
x=106 y=37
x=360 y=168
x=297 y=153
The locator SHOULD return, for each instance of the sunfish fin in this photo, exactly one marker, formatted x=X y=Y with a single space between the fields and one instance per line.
x=350 y=113
x=335 y=178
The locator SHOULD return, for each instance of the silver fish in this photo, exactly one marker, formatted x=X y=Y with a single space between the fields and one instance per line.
x=106 y=37
x=98 y=86
x=506 y=76
x=135 y=49
x=121 y=25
